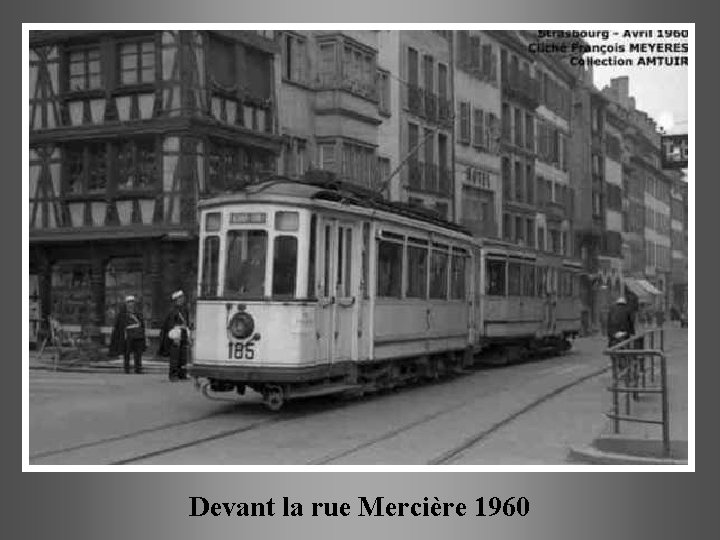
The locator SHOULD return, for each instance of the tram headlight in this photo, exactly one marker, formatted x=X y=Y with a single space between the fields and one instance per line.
x=241 y=325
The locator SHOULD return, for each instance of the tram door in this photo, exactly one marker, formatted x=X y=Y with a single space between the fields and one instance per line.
x=338 y=297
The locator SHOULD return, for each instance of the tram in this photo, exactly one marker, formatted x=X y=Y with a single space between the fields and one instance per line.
x=311 y=288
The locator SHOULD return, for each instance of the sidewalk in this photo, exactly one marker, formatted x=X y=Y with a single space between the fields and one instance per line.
x=638 y=443
x=47 y=362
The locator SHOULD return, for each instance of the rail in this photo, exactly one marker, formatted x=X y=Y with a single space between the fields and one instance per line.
x=633 y=361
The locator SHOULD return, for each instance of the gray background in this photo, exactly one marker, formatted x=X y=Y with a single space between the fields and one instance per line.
x=565 y=505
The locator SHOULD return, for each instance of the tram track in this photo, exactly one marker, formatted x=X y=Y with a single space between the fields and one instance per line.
x=124 y=436
x=146 y=445
x=196 y=442
x=449 y=455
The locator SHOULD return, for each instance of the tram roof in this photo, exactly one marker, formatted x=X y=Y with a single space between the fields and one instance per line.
x=326 y=189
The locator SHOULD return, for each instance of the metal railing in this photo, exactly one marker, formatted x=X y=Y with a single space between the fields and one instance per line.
x=633 y=363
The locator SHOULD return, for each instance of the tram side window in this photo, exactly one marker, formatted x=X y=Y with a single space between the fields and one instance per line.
x=495 y=277
x=457 y=282
x=364 y=285
x=245 y=267
x=211 y=257
x=311 y=258
x=284 y=266
x=438 y=275
x=540 y=280
x=528 y=280
x=514 y=285
x=417 y=272
x=389 y=275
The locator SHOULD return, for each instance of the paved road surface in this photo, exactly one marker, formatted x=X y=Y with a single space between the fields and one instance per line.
x=523 y=414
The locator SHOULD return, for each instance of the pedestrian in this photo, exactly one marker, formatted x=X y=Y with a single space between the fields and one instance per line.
x=128 y=335
x=620 y=324
x=175 y=337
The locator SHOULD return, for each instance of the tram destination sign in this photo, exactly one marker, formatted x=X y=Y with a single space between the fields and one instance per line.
x=674 y=151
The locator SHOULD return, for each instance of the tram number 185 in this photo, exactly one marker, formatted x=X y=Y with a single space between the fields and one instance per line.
x=241 y=351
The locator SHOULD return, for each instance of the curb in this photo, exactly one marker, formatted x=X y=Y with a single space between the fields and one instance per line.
x=591 y=454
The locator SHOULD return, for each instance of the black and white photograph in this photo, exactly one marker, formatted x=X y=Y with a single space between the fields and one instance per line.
x=350 y=246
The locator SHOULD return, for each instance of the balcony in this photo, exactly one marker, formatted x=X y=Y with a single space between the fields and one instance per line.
x=444 y=111
x=521 y=87
x=445 y=186
x=429 y=178
x=416 y=100
x=431 y=106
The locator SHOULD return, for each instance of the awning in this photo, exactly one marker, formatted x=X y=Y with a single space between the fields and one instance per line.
x=650 y=287
x=643 y=289
x=637 y=289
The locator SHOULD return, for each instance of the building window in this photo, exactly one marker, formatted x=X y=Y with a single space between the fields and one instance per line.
x=221 y=63
x=479 y=138
x=519 y=230
x=506 y=179
x=137 y=164
x=541 y=238
x=294 y=157
x=518 y=182
x=507 y=227
x=518 y=128
x=529 y=132
x=384 y=92
x=84 y=69
x=358 y=163
x=506 y=123
x=530 y=227
x=137 y=62
x=327 y=64
x=87 y=168
x=529 y=185
x=326 y=156
x=294 y=58
x=464 y=136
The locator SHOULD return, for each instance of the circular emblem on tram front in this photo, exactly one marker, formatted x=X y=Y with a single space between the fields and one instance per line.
x=241 y=325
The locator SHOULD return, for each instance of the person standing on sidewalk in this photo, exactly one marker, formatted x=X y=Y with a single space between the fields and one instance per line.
x=620 y=322
x=128 y=335
x=175 y=337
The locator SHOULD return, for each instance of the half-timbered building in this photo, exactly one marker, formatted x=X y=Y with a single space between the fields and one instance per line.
x=127 y=130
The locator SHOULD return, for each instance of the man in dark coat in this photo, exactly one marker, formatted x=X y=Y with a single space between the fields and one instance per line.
x=174 y=337
x=620 y=320
x=128 y=335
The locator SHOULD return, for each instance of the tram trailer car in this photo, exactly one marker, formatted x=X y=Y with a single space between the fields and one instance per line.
x=310 y=289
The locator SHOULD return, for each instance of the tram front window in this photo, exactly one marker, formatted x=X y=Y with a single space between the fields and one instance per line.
x=245 y=266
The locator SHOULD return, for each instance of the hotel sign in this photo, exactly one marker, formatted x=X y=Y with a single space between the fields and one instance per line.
x=674 y=151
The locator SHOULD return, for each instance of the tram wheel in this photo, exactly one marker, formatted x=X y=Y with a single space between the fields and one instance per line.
x=274 y=398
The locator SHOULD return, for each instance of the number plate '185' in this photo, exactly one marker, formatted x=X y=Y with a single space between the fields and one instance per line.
x=238 y=350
